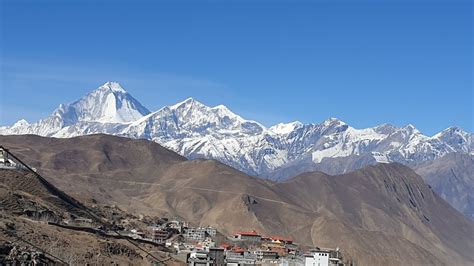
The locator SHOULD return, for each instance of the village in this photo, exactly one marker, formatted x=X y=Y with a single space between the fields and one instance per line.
x=206 y=246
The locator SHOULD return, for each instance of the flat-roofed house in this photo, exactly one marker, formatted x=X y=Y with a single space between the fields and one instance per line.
x=248 y=235
x=317 y=258
x=323 y=257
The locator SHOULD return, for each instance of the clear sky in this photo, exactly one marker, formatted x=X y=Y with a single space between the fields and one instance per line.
x=364 y=62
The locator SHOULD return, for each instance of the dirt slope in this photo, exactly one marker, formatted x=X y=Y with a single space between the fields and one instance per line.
x=452 y=176
x=383 y=214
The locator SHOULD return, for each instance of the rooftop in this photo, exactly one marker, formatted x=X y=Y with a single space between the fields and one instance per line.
x=248 y=233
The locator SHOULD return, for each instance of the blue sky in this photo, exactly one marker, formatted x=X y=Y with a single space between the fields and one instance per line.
x=364 y=62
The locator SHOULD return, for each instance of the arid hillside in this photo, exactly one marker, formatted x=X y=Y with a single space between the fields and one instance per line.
x=452 y=176
x=30 y=214
x=383 y=214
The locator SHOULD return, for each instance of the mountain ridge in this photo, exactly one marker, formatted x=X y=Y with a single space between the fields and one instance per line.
x=195 y=130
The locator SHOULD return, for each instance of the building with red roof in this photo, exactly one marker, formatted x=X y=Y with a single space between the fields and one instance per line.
x=248 y=236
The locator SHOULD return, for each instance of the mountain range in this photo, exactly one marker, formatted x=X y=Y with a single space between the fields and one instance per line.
x=195 y=130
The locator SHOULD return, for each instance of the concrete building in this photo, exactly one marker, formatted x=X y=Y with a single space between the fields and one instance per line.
x=213 y=256
x=266 y=255
x=323 y=257
x=199 y=234
x=199 y=257
x=248 y=236
x=217 y=256
x=160 y=235
x=317 y=258
x=292 y=261
x=237 y=258
x=194 y=234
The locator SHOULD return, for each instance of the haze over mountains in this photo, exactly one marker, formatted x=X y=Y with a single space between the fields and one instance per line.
x=378 y=215
x=195 y=130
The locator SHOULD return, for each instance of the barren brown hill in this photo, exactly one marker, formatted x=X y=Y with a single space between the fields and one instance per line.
x=92 y=167
x=378 y=215
x=25 y=193
x=452 y=176
x=31 y=208
x=388 y=204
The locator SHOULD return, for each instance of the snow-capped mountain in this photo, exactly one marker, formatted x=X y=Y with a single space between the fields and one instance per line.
x=196 y=130
x=108 y=104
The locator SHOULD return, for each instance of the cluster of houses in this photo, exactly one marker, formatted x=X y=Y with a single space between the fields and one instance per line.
x=219 y=256
x=252 y=248
x=199 y=246
x=182 y=237
x=204 y=246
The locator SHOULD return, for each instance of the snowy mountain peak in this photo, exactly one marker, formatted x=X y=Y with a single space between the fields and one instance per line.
x=455 y=139
x=285 y=128
x=453 y=130
x=334 y=124
x=194 y=116
x=386 y=129
x=453 y=135
x=411 y=129
x=188 y=103
x=109 y=103
x=113 y=86
x=21 y=123
x=223 y=111
x=194 y=107
x=333 y=121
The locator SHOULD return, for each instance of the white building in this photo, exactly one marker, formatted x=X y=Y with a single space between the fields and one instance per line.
x=199 y=257
x=5 y=162
x=317 y=258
